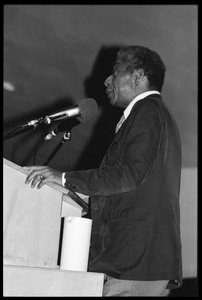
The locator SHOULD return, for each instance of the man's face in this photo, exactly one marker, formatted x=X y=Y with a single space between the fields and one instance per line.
x=120 y=86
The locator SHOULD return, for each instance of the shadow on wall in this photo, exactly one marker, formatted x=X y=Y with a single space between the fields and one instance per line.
x=103 y=132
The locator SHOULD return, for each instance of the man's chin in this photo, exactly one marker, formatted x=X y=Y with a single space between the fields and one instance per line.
x=113 y=101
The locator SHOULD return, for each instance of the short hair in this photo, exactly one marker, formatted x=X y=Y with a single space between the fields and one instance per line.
x=139 y=57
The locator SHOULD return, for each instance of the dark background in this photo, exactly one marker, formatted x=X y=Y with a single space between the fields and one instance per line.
x=56 y=55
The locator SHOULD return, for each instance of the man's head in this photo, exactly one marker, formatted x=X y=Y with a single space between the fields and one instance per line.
x=137 y=69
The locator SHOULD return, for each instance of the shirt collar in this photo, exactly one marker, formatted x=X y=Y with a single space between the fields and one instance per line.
x=139 y=97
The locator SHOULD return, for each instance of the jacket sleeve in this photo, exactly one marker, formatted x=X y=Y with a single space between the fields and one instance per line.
x=135 y=160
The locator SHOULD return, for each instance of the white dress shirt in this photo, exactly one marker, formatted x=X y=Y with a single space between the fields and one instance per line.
x=139 y=97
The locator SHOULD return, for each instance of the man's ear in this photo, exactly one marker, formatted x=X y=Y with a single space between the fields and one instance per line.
x=138 y=76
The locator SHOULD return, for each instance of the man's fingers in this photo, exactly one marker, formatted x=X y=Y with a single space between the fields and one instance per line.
x=40 y=175
x=34 y=181
x=36 y=172
x=41 y=183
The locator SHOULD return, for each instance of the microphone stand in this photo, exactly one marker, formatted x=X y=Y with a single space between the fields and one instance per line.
x=18 y=131
x=71 y=194
x=64 y=126
x=66 y=137
x=29 y=126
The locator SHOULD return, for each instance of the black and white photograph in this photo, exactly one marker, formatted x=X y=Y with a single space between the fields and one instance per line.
x=100 y=166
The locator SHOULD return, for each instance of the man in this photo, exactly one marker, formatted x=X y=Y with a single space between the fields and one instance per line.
x=134 y=194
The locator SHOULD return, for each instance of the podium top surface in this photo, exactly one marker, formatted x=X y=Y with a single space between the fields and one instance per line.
x=51 y=184
x=26 y=172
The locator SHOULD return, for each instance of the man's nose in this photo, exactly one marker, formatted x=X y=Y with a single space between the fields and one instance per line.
x=108 y=80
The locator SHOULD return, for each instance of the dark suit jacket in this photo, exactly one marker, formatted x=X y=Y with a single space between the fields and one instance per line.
x=134 y=198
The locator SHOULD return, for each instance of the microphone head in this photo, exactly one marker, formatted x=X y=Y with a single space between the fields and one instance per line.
x=88 y=109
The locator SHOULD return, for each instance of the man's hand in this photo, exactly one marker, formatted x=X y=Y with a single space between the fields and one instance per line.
x=41 y=175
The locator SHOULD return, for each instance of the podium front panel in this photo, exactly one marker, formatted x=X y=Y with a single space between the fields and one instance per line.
x=32 y=220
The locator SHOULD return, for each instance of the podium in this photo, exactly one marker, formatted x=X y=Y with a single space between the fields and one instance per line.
x=32 y=235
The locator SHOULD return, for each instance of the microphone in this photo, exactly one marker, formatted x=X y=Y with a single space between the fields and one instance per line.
x=83 y=109
x=63 y=126
x=87 y=112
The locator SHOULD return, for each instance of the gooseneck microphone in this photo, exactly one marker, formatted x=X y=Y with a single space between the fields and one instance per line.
x=82 y=112
x=85 y=111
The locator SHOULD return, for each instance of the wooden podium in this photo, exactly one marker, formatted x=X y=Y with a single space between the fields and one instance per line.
x=32 y=232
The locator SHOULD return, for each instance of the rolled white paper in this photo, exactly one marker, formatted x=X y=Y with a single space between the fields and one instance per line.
x=75 y=244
